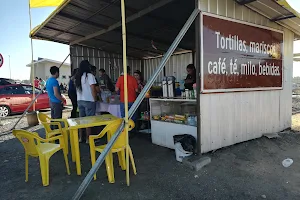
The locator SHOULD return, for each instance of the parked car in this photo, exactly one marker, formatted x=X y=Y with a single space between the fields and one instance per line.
x=15 y=98
x=6 y=81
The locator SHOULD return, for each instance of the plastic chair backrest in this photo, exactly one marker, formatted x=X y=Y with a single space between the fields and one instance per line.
x=47 y=127
x=28 y=141
x=111 y=128
x=121 y=141
x=43 y=117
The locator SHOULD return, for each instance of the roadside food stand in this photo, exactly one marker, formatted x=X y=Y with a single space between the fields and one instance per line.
x=242 y=50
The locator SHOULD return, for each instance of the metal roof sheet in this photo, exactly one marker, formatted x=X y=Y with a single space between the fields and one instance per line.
x=77 y=19
x=285 y=15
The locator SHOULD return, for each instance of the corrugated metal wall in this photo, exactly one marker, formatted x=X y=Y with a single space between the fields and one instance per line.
x=176 y=66
x=231 y=118
x=226 y=118
x=112 y=63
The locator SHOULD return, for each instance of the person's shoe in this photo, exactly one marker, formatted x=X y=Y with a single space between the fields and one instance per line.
x=80 y=139
x=87 y=141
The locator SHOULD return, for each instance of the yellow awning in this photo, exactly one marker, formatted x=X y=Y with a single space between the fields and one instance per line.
x=44 y=3
x=287 y=6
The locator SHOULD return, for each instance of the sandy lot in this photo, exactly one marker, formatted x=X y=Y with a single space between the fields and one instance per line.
x=249 y=170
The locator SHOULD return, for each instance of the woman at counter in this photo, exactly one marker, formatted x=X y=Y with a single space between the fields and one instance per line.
x=191 y=77
x=140 y=80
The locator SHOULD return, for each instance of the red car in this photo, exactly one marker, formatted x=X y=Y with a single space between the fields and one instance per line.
x=17 y=97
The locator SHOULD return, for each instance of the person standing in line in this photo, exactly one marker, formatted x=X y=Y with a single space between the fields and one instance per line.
x=85 y=83
x=53 y=90
x=132 y=87
x=42 y=83
x=61 y=86
x=105 y=81
x=65 y=87
x=72 y=94
x=36 y=82
x=94 y=72
x=106 y=86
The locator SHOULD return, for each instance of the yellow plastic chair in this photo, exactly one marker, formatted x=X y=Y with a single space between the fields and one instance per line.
x=119 y=147
x=48 y=122
x=36 y=146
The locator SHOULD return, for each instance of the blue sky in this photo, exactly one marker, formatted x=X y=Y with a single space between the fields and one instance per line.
x=14 y=39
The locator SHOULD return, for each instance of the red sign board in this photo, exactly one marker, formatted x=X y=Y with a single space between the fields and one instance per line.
x=1 y=60
x=239 y=56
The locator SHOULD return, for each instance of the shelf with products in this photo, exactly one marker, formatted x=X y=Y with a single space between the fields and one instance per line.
x=179 y=111
x=171 y=117
x=175 y=122
x=175 y=99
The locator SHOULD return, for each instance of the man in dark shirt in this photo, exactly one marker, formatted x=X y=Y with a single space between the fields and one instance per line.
x=105 y=82
x=191 y=77
x=94 y=72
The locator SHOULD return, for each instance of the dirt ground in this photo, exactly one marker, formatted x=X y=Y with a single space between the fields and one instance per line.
x=249 y=170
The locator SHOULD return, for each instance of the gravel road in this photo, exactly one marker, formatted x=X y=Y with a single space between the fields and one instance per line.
x=6 y=124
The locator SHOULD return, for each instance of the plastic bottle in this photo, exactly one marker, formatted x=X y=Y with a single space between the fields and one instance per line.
x=187 y=94
x=183 y=94
x=195 y=90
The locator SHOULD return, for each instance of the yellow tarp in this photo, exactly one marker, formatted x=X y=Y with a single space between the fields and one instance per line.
x=44 y=3
x=287 y=6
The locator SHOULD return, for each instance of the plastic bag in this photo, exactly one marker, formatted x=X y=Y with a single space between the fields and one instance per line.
x=188 y=142
x=287 y=162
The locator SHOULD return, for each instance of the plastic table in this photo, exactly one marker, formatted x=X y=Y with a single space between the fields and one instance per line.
x=84 y=122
